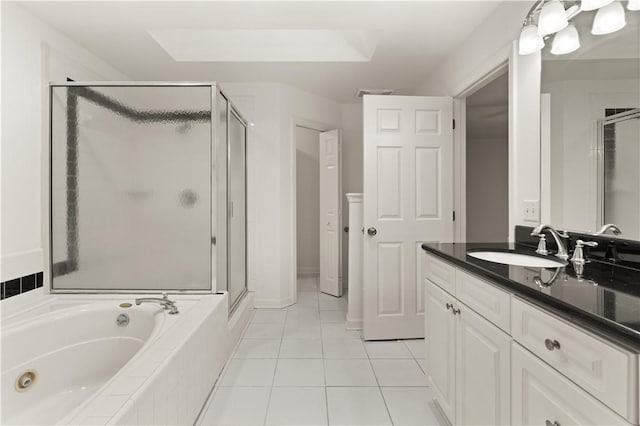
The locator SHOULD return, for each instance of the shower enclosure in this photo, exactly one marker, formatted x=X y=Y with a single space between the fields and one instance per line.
x=147 y=189
x=618 y=175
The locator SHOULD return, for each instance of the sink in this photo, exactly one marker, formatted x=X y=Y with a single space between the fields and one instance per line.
x=518 y=259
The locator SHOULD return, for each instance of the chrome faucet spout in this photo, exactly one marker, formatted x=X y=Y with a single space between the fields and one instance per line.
x=615 y=229
x=165 y=302
x=562 y=247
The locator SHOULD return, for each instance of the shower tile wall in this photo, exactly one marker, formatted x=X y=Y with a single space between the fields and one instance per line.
x=20 y=285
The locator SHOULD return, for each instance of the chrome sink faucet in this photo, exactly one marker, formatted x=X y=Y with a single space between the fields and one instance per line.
x=167 y=304
x=562 y=247
x=615 y=229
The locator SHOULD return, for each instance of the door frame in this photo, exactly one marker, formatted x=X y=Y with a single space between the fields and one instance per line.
x=293 y=271
x=495 y=67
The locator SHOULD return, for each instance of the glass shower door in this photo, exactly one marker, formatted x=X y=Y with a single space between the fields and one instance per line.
x=131 y=187
x=237 y=254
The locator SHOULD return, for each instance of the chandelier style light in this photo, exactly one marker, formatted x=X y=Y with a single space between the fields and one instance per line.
x=549 y=18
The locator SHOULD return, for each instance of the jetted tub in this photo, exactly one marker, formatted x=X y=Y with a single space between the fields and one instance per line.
x=96 y=360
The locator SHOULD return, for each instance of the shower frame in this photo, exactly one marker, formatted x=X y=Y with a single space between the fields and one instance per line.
x=217 y=144
x=630 y=114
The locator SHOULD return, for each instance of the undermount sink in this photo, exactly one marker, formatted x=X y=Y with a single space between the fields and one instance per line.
x=517 y=259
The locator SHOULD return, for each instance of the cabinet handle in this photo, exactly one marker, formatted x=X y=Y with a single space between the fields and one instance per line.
x=550 y=423
x=449 y=306
x=456 y=311
x=551 y=344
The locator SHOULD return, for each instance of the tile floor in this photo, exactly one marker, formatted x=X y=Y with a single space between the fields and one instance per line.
x=300 y=366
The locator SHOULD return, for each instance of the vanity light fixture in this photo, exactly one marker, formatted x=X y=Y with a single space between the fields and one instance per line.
x=587 y=5
x=549 y=16
x=609 y=19
x=633 y=5
x=553 y=18
x=530 y=41
x=566 y=41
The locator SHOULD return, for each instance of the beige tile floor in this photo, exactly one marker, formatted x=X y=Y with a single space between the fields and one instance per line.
x=300 y=366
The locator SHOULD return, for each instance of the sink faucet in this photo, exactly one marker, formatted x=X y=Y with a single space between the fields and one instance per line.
x=615 y=229
x=167 y=304
x=562 y=248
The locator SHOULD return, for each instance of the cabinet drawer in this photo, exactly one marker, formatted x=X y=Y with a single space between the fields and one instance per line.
x=484 y=298
x=540 y=395
x=602 y=369
x=440 y=273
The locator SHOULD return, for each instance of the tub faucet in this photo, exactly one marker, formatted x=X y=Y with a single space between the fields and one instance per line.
x=167 y=304
x=562 y=248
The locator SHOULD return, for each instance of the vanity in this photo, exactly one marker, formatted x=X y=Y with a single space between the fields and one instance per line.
x=545 y=330
x=509 y=344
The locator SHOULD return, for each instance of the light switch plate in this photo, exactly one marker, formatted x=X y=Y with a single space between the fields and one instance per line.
x=531 y=210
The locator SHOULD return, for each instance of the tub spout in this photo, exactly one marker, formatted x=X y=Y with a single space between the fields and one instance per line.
x=168 y=305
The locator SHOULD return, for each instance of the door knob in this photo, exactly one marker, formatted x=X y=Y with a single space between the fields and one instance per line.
x=372 y=231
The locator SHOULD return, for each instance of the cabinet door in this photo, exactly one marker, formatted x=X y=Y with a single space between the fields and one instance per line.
x=440 y=324
x=482 y=371
x=543 y=396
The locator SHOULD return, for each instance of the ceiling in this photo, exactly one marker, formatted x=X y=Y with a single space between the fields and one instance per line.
x=397 y=43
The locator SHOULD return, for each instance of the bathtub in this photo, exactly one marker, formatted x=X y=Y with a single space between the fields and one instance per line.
x=103 y=360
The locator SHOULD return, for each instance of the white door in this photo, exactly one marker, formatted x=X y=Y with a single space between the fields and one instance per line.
x=408 y=200
x=330 y=213
x=441 y=366
x=483 y=371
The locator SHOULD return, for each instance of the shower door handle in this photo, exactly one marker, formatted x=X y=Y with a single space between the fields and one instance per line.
x=231 y=209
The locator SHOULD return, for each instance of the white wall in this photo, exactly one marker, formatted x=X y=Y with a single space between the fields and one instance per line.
x=308 y=200
x=486 y=49
x=26 y=67
x=480 y=53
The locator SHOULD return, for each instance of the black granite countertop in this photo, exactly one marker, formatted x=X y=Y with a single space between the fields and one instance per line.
x=604 y=300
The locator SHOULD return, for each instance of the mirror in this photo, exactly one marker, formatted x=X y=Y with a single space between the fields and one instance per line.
x=590 y=129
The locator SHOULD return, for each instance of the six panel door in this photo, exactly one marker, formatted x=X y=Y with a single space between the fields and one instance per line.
x=408 y=197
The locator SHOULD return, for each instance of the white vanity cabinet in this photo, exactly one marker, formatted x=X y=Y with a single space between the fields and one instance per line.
x=542 y=396
x=489 y=362
x=605 y=371
x=468 y=361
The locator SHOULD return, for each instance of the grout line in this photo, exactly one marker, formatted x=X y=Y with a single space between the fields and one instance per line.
x=380 y=389
x=275 y=370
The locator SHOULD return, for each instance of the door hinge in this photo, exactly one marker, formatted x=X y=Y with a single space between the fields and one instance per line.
x=454 y=215
x=454 y=124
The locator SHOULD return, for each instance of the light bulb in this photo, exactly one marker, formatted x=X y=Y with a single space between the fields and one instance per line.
x=587 y=5
x=633 y=5
x=566 y=41
x=609 y=19
x=529 y=41
x=552 y=18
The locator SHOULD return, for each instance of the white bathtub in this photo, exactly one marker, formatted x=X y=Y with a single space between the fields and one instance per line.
x=90 y=370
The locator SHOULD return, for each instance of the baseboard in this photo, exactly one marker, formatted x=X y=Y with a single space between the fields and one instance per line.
x=308 y=270
x=18 y=265
x=354 y=324
x=273 y=303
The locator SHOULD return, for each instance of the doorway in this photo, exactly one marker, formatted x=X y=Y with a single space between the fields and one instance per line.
x=487 y=162
x=318 y=209
x=307 y=203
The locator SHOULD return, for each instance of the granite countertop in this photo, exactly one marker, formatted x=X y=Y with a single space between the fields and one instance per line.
x=605 y=300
